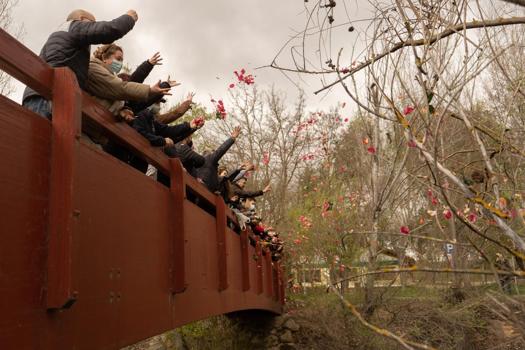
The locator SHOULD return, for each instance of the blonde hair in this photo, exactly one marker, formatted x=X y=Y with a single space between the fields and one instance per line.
x=105 y=51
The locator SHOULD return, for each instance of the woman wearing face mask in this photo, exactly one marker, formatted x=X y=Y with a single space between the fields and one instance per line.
x=108 y=88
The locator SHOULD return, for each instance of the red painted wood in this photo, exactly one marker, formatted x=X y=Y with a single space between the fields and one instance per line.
x=245 y=263
x=220 y=219
x=258 y=252
x=22 y=64
x=275 y=284
x=178 y=194
x=75 y=219
x=282 y=281
x=269 y=273
x=62 y=213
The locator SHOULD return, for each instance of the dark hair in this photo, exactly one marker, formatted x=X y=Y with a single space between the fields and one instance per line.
x=105 y=51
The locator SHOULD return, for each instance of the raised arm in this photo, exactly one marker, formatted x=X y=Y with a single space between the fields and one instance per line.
x=178 y=112
x=221 y=151
x=102 y=32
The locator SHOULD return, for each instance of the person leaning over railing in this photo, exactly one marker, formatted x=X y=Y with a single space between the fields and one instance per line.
x=160 y=134
x=239 y=184
x=111 y=91
x=185 y=152
x=209 y=172
x=71 y=49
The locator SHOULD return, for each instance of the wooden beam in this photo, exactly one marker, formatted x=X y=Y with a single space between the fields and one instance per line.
x=66 y=128
x=245 y=262
x=221 y=222
x=178 y=195
x=24 y=65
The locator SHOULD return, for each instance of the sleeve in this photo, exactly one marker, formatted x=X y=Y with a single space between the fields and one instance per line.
x=141 y=73
x=247 y=194
x=233 y=174
x=189 y=155
x=221 y=151
x=139 y=106
x=177 y=132
x=140 y=125
x=103 y=32
x=105 y=85
x=178 y=112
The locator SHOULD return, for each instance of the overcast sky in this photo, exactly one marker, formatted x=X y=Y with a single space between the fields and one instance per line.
x=202 y=41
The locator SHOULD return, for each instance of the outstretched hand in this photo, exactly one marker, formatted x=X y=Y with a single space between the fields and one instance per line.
x=197 y=123
x=236 y=132
x=133 y=14
x=126 y=115
x=156 y=59
x=248 y=166
x=189 y=97
x=156 y=89
x=172 y=83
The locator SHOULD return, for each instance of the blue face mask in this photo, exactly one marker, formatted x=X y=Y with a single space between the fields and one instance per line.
x=116 y=66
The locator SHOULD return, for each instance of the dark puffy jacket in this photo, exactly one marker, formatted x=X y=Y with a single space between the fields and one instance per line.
x=189 y=158
x=242 y=193
x=140 y=74
x=72 y=48
x=226 y=185
x=208 y=173
x=156 y=132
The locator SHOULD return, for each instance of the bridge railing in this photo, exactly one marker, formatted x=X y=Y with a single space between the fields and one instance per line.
x=71 y=109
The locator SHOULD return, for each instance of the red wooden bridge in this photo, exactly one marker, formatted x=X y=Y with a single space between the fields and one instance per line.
x=94 y=254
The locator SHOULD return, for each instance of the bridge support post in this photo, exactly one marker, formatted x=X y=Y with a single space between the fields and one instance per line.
x=269 y=272
x=245 y=263
x=221 y=222
x=258 y=253
x=178 y=194
x=66 y=131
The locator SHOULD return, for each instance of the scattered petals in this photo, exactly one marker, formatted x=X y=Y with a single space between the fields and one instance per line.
x=371 y=150
x=232 y=86
x=447 y=214
x=266 y=158
x=408 y=110
x=242 y=78
x=220 y=110
x=472 y=217
x=404 y=230
x=412 y=144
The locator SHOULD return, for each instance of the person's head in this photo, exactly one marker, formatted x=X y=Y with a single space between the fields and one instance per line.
x=155 y=108
x=81 y=15
x=112 y=55
x=248 y=203
x=242 y=182
x=223 y=171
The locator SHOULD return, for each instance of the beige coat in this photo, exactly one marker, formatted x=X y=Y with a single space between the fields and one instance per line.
x=110 y=90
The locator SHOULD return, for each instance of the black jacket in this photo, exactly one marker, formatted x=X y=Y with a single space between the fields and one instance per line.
x=242 y=193
x=208 y=172
x=72 y=48
x=156 y=132
x=226 y=185
x=138 y=76
x=189 y=158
